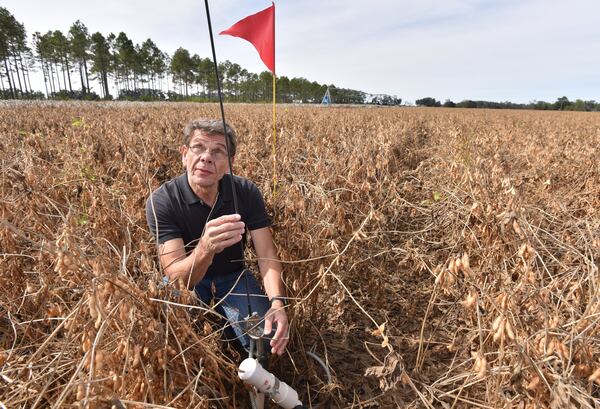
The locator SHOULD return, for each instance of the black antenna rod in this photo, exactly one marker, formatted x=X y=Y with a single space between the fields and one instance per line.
x=212 y=45
x=235 y=202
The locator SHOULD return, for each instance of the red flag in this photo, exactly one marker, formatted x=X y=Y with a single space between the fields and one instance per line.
x=259 y=30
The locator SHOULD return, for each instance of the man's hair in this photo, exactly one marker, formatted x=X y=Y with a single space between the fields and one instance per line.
x=210 y=127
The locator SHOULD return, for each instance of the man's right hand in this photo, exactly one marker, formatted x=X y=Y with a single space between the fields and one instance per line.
x=221 y=233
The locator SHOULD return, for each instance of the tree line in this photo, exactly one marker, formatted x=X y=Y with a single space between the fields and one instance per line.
x=71 y=63
x=561 y=104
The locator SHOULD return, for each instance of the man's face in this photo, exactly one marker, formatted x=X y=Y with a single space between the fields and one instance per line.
x=205 y=159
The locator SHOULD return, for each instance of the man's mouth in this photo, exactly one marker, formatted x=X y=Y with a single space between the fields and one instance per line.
x=203 y=171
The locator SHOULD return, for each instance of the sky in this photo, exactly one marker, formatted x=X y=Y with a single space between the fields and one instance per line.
x=503 y=50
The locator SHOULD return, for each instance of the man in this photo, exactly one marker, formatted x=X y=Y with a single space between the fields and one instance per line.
x=201 y=238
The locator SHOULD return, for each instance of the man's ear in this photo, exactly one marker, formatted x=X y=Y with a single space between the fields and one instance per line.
x=182 y=151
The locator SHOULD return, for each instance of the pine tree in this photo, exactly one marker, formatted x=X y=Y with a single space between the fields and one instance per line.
x=101 y=60
x=80 y=42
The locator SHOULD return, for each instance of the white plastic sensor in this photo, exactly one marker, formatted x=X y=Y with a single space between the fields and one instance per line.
x=252 y=372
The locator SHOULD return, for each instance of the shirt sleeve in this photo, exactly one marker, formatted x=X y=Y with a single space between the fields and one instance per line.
x=160 y=212
x=256 y=217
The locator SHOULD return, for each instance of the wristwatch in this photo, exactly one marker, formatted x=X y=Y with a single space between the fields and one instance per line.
x=280 y=298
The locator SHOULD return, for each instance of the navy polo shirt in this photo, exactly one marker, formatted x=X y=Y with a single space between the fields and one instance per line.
x=179 y=213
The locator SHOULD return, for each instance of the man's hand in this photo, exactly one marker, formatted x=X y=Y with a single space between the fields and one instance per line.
x=221 y=233
x=277 y=316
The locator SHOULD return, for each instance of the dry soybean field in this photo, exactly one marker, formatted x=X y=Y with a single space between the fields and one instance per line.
x=435 y=258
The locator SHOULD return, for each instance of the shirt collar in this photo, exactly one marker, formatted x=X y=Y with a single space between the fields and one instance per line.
x=191 y=198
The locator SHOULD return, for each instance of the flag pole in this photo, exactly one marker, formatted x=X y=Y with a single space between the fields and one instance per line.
x=274 y=144
x=274 y=111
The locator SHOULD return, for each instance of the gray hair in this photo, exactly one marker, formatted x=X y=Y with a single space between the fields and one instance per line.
x=210 y=127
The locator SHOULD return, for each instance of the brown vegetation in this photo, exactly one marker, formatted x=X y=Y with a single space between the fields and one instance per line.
x=436 y=258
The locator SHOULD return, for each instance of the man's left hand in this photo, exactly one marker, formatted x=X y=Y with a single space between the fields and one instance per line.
x=276 y=316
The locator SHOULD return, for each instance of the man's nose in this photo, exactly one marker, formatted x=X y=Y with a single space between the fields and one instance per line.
x=206 y=157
